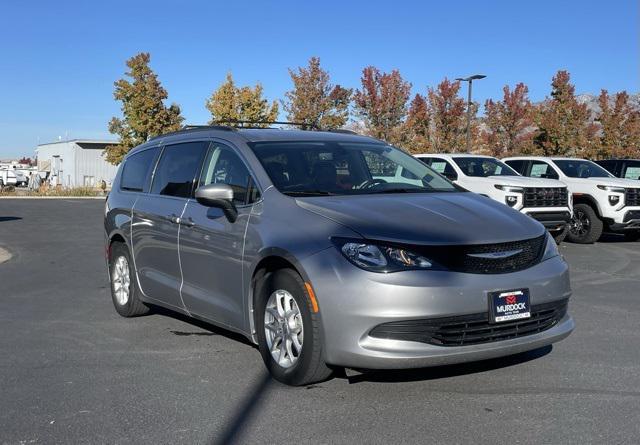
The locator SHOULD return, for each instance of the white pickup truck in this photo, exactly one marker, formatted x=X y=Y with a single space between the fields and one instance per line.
x=600 y=199
x=545 y=200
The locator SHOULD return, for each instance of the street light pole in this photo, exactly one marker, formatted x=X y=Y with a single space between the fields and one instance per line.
x=470 y=79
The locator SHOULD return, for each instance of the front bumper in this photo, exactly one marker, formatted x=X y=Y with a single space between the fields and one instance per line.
x=630 y=221
x=352 y=302
x=553 y=219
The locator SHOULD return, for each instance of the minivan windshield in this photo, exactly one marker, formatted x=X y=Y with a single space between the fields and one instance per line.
x=483 y=167
x=345 y=168
x=579 y=168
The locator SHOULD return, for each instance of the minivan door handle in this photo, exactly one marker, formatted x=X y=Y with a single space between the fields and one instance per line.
x=187 y=222
x=174 y=219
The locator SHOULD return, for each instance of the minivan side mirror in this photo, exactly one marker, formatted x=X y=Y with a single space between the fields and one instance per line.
x=219 y=196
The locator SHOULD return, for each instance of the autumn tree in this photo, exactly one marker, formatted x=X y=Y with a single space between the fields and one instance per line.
x=564 y=127
x=26 y=161
x=619 y=127
x=314 y=100
x=230 y=103
x=382 y=103
x=417 y=126
x=144 y=113
x=509 y=125
x=448 y=117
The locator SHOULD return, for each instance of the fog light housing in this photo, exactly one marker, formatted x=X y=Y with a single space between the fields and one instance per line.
x=511 y=200
x=614 y=200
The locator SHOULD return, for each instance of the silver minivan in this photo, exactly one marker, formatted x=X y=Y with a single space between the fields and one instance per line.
x=309 y=244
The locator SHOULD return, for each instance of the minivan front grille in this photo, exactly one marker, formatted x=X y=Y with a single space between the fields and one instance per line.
x=488 y=258
x=472 y=329
x=632 y=197
x=546 y=197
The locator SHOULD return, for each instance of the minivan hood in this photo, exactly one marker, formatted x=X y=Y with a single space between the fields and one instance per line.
x=523 y=181
x=426 y=218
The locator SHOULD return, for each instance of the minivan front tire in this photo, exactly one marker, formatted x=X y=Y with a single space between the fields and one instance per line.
x=124 y=289
x=285 y=320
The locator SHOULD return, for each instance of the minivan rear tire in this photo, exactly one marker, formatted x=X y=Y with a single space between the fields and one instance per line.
x=309 y=366
x=120 y=257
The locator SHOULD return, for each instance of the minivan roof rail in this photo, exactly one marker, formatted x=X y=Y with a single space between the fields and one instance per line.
x=341 y=130
x=232 y=125
x=187 y=128
x=253 y=124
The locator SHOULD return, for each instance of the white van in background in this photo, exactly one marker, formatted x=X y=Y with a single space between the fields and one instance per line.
x=7 y=177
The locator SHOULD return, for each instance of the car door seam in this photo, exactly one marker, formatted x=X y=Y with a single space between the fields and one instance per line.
x=184 y=306
x=245 y=304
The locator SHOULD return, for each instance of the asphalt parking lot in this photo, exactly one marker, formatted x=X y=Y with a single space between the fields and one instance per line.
x=73 y=371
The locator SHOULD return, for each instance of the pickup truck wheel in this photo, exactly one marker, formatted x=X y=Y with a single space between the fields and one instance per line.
x=633 y=235
x=586 y=227
x=288 y=330
x=124 y=289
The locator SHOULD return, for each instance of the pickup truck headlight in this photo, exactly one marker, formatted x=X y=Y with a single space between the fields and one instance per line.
x=376 y=257
x=550 y=249
x=611 y=188
x=509 y=188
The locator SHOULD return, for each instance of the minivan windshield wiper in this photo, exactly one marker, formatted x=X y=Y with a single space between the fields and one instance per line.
x=404 y=190
x=308 y=193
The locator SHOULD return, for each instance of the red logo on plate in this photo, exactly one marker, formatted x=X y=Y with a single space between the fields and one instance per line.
x=511 y=299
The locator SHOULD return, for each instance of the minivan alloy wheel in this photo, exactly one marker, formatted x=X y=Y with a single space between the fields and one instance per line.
x=283 y=328
x=121 y=280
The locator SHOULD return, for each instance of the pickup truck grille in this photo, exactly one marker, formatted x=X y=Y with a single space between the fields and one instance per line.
x=632 y=197
x=546 y=197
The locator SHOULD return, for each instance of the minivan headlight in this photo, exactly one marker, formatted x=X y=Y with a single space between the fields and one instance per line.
x=381 y=258
x=550 y=249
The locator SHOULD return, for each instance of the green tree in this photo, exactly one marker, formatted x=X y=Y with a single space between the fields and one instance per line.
x=144 y=113
x=230 y=103
x=449 y=118
x=314 y=100
x=382 y=104
x=564 y=126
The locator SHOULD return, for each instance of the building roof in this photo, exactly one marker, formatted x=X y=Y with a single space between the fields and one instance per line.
x=84 y=143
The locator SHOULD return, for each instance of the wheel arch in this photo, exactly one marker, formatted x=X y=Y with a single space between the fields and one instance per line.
x=270 y=260
x=580 y=198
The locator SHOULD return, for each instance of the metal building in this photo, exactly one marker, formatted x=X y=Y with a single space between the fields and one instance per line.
x=75 y=163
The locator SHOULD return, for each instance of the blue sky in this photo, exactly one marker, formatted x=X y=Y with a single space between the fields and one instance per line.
x=60 y=59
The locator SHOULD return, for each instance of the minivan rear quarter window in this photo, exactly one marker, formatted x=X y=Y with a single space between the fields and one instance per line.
x=137 y=169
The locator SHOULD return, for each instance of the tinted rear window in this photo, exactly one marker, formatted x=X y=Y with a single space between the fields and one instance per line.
x=136 y=170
